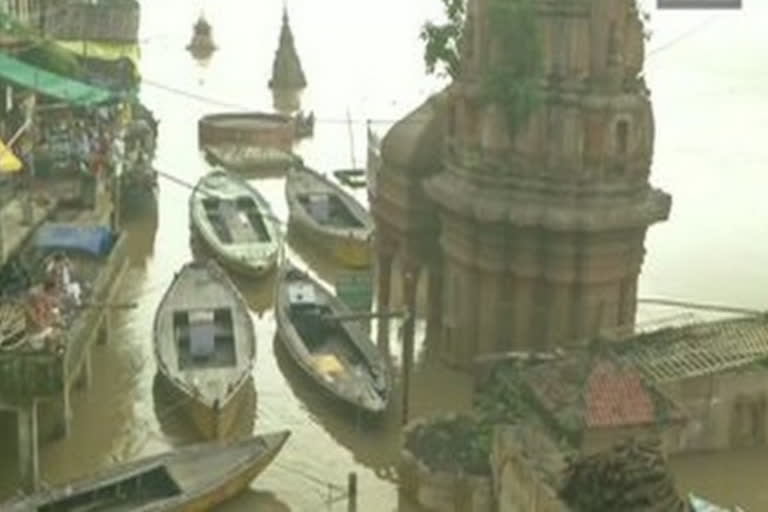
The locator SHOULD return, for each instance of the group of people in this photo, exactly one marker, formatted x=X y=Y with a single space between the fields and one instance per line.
x=47 y=304
x=89 y=140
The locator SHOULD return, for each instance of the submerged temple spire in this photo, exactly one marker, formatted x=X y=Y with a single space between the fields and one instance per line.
x=286 y=68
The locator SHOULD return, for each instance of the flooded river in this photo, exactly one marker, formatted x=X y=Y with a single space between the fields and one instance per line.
x=362 y=59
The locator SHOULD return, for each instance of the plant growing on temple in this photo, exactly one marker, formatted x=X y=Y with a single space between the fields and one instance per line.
x=443 y=41
x=513 y=78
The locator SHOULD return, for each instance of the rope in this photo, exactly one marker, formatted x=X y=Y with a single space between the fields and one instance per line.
x=704 y=307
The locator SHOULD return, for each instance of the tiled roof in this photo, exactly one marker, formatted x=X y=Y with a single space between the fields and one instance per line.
x=616 y=397
x=591 y=391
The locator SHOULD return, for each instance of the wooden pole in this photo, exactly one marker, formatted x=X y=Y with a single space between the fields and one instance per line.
x=365 y=315
x=352 y=492
x=29 y=464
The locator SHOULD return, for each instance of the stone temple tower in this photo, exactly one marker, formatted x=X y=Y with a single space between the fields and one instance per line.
x=287 y=72
x=541 y=231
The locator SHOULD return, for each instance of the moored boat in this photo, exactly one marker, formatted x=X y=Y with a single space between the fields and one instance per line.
x=205 y=345
x=236 y=223
x=172 y=481
x=256 y=160
x=336 y=354
x=324 y=211
x=138 y=191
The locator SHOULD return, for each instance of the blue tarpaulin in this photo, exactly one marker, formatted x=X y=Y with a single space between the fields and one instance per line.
x=96 y=240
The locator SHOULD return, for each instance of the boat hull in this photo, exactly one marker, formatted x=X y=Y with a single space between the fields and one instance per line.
x=229 y=469
x=226 y=491
x=136 y=202
x=348 y=251
x=233 y=264
x=213 y=423
x=309 y=377
x=290 y=340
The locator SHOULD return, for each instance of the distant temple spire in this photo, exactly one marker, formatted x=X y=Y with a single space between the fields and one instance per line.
x=286 y=69
x=202 y=44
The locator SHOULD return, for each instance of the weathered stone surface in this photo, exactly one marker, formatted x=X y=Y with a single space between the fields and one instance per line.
x=541 y=229
x=438 y=490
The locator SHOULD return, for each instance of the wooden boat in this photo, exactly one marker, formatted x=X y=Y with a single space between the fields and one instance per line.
x=353 y=178
x=236 y=223
x=251 y=159
x=205 y=345
x=194 y=477
x=336 y=355
x=322 y=210
x=138 y=191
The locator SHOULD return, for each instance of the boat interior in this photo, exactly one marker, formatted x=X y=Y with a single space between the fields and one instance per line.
x=205 y=338
x=329 y=210
x=122 y=495
x=236 y=221
x=324 y=337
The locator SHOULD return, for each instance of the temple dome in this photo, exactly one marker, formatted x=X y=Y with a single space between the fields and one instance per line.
x=414 y=144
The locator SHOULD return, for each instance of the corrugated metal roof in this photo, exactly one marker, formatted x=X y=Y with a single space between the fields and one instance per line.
x=699 y=349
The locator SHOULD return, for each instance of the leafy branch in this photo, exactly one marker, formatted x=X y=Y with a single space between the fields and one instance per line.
x=512 y=78
x=443 y=41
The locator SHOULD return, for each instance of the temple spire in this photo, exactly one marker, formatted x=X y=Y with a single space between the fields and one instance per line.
x=287 y=72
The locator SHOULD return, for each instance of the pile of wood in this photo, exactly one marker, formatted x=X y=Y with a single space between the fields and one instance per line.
x=631 y=477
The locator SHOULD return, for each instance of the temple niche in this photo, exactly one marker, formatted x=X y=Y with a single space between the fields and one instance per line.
x=538 y=234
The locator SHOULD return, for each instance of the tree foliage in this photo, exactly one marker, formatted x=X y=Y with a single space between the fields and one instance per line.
x=443 y=41
x=512 y=79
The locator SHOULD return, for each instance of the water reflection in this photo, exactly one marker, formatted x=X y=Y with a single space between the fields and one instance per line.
x=373 y=442
x=142 y=231
x=255 y=500
x=176 y=425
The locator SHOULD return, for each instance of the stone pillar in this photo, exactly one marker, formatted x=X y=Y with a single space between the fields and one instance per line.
x=384 y=260
x=435 y=301
x=29 y=468
x=410 y=275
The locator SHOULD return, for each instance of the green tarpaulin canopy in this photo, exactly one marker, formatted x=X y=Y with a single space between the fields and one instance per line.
x=50 y=84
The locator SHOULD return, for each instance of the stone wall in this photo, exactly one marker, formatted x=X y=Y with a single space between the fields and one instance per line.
x=441 y=491
x=726 y=410
x=518 y=484
x=72 y=20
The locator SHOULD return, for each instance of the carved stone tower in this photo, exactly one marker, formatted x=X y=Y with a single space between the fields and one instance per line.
x=542 y=231
x=287 y=73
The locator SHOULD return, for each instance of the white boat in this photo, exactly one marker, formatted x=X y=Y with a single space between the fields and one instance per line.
x=702 y=505
x=236 y=223
x=205 y=345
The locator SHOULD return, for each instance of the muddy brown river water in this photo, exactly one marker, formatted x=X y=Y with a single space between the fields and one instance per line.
x=710 y=90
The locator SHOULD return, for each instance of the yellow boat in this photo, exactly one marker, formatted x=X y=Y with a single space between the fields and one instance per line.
x=171 y=481
x=334 y=220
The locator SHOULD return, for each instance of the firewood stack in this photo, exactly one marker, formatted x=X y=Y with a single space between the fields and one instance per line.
x=631 y=477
